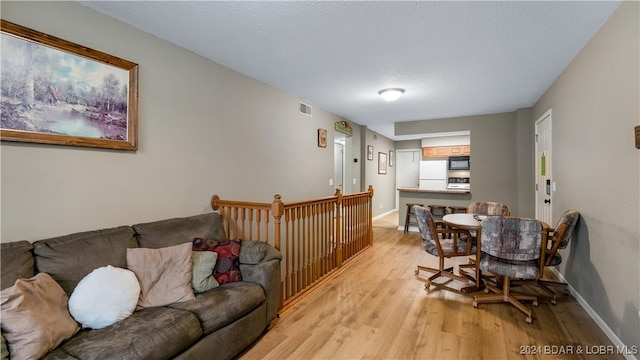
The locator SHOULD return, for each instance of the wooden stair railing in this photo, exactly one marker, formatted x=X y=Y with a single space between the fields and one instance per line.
x=315 y=236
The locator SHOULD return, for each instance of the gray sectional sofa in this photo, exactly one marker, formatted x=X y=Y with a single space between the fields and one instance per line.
x=218 y=324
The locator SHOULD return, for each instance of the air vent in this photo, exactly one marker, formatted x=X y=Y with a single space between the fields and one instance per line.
x=305 y=109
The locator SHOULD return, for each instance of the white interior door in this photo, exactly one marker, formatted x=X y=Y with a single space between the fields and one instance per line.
x=338 y=166
x=544 y=182
x=407 y=170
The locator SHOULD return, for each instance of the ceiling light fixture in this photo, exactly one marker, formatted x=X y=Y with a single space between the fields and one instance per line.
x=391 y=94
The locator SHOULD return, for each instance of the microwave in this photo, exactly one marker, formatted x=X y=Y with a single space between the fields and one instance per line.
x=459 y=163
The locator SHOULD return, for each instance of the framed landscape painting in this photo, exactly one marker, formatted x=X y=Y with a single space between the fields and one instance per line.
x=58 y=92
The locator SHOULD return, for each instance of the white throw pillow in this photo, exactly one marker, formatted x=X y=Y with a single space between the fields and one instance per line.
x=104 y=297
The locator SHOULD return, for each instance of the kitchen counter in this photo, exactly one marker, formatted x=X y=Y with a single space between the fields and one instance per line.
x=418 y=190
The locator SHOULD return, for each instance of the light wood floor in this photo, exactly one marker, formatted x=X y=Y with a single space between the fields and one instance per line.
x=377 y=309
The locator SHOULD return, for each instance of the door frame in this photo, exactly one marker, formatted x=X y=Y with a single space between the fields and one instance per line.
x=549 y=166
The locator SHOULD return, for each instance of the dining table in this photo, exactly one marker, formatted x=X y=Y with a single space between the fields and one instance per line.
x=472 y=223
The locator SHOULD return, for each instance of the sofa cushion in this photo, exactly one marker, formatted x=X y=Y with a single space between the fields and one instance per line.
x=105 y=296
x=35 y=317
x=179 y=230
x=17 y=262
x=223 y=305
x=203 y=264
x=252 y=252
x=164 y=274
x=154 y=333
x=68 y=259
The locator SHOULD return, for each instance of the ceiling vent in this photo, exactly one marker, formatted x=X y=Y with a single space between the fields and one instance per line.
x=305 y=109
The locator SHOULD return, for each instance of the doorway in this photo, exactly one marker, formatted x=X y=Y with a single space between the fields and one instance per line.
x=342 y=171
x=407 y=171
x=544 y=184
x=338 y=164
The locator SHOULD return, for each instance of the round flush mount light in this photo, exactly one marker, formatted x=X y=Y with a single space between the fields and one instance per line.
x=391 y=94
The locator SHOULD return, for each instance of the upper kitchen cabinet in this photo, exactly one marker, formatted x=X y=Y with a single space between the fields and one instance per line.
x=433 y=152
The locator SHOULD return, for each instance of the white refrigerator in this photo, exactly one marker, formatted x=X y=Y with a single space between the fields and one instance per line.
x=433 y=174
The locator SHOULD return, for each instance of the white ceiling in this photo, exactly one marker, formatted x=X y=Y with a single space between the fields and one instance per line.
x=453 y=58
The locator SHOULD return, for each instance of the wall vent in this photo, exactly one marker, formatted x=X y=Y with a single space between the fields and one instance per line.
x=305 y=109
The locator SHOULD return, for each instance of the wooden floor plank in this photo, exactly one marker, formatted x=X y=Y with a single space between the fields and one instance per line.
x=377 y=309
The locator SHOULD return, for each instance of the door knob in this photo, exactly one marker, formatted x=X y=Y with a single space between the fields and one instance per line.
x=547 y=201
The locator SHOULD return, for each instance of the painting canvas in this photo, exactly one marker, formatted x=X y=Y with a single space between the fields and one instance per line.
x=57 y=92
x=382 y=163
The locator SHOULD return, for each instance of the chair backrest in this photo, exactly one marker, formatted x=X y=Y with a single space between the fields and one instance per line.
x=426 y=224
x=488 y=208
x=563 y=231
x=512 y=238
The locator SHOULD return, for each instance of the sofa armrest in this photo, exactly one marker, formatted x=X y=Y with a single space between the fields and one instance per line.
x=260 y=263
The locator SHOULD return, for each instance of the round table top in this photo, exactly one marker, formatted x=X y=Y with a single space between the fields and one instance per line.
x=462 y=221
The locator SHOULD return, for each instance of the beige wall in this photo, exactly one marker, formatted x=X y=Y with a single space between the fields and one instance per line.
x=595 y=106
x=384 y=184
x=204 y=130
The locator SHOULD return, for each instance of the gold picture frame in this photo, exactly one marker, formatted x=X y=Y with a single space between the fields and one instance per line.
x=64 y=93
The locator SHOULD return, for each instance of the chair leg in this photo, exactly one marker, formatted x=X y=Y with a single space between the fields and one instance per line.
x=506 y=296
x=448 y=272
x=544 y=285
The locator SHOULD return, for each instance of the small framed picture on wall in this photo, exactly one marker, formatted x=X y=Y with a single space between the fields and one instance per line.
x=370 y=152
x=382 y=163
x=322 y=138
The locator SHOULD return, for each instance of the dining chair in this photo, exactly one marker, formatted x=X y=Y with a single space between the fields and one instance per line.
x=435 y=243
x=488 y=208
x=511 y=247
x=558 y=238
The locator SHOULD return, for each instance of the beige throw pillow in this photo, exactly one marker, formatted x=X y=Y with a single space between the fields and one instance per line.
x=164 y=274
x=35 y=317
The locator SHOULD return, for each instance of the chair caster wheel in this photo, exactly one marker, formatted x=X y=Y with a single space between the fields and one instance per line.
x=529 y=320
x=535 y=302
x=475 y=304
x=554 y=301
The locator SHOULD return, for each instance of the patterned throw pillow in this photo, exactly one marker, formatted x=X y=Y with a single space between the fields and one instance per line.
x=228 y=264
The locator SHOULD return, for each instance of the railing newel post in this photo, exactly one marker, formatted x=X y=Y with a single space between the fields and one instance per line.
x=277 y=209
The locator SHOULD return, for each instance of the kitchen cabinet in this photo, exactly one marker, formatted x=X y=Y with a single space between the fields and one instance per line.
x=435 y=152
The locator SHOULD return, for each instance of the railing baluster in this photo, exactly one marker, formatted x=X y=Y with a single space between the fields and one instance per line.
x=315 y=237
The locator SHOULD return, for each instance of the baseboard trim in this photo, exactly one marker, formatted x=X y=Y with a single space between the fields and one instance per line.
x=594 y=315
x=384 y=214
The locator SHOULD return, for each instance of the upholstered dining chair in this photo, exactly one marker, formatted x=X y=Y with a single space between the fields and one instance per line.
x=485 y=208
x=511 y=247
x=435 y=243
x=558 y=238
x=488 y=208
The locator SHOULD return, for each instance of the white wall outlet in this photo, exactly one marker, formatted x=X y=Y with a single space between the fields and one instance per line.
x=354 y=181
x=330 y=182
